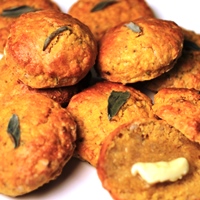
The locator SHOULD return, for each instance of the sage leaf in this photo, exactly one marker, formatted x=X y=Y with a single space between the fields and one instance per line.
x=189 y=45
x=17 y=11
x=14 y=130
x=53 y=35
x=135 y=28
x=115 y=101
x=101 y=5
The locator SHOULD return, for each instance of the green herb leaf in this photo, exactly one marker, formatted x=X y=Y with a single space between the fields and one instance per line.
x=53 y=35
x=135 y=28
x=115 y=101
x=14 y=130
x=17 y=11
x=189 y=45
x=101 y=5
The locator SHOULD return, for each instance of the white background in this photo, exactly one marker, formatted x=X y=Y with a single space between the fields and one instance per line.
x=79 y=180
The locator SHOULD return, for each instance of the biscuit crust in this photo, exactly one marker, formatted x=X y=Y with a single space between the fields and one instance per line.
x=129 y=56
x=147 y=141
x=180 y=108
x=47 y=142
x=184 y=74
x=65 y=61
x=90 y=111
x=6 y=21
x=100 y=21
x=11 y=85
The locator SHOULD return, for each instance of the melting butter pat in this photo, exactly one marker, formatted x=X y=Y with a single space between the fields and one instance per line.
x=156 y=172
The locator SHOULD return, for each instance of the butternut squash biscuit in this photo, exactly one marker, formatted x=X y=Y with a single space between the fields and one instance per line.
x=11 y=85
x=100 y=15
x=139 y=50
x=184 y=74
x=181 y=109
x=147 y=141
x=50 y=49
x=101 y=108
x=12 y=9
x=37 y=139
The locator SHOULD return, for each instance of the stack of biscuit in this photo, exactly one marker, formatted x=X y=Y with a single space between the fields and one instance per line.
x=52 y=104
x=144 y=53
x=47 y=58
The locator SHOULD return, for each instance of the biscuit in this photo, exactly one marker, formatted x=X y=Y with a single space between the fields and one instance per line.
x=12 y=9
x=147 y=141
x=114 y=12
x=139 y=50
x=180 y=108
x=50 y=49
x=37 y=140
x=11 y=85
x=90 y=110
x=184 y=74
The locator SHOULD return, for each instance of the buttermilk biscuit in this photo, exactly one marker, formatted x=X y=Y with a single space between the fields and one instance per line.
x=147 y=141
x=181 y=109
x=37 y=138
x=93 y=114
x=99 y=19
x=12 y=9
x=11 y=85
x=50 y=49
x=139 y=50
x=184 y=74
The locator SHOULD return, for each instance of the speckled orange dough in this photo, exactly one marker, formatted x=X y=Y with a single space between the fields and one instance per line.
x=100 y=21
x=6 y=21
x=46 y=143
x=181 y=109
x=66 y=59
x=90 y=110
x=184 y=74
x=129 y=55
x=147 y=141
x=11 y=85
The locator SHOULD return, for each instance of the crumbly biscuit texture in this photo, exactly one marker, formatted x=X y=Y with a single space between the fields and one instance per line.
x=111 y=15
x=46 y=142
x=139 y=50
x=90 y=110
x=6 y=20
x=147 y=141
x=181 y=109
x=50 y=49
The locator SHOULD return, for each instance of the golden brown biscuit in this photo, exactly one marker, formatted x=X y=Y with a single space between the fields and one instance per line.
x=37 y=139
x=184 y=74
x=94 y=114
x=181 y=109
x=147 y=141
x=11 y=85
x=50 y=49
x=139 y=50
x=12 y=9
x=110 y=14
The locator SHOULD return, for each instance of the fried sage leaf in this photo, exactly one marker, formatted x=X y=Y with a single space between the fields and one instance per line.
x=101 y=5
x=189 y=45
x=135 y=28
x=53 y=35
x=115 y=101
x=17 y=11
x=14 y=130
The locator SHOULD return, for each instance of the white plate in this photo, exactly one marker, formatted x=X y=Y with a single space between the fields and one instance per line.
x=79 y=180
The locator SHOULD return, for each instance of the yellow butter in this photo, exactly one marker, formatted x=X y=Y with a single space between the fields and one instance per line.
x=155 y=172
